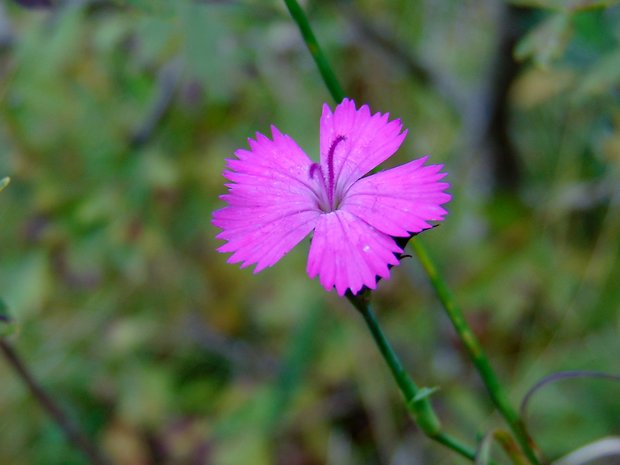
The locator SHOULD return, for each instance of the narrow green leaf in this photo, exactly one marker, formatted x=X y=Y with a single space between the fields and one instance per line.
x=425 y=392
x=483 y=453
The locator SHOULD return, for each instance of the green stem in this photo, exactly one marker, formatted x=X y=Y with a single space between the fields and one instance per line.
x=418 y=404
x=327 y=73
x=476 y=354
x=469 y=340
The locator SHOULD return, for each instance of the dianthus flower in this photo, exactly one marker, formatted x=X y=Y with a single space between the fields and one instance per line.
x=278 y=195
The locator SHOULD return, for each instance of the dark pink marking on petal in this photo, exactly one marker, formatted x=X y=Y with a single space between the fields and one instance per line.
x=371 y=139
x=330 y=170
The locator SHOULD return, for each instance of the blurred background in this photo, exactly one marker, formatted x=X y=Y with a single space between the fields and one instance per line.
x=115 y=121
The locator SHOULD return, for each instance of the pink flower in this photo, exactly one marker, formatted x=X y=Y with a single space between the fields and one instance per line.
x=277 y=196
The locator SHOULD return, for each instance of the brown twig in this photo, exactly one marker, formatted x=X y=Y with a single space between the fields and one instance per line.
x=71 y=430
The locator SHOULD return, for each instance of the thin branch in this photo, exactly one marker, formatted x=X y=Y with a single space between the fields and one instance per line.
x=559 y=376
x=73 y=433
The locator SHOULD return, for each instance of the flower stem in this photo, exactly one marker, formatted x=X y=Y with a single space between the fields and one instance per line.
x=327 y=73
x=472 y=345
x=77 y=437
x=476 y=354
x=417 y=403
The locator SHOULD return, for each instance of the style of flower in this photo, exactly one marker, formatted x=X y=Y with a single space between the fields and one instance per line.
x=278 y=195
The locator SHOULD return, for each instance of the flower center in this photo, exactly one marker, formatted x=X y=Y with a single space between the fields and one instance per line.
x=327 y=197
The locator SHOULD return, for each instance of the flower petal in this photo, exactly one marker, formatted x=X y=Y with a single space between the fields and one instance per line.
x=401 y=200
x=369 y=141
x=347 y=253
x=271 y=201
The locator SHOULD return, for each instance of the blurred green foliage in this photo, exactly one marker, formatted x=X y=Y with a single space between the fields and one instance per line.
x=115 y=121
